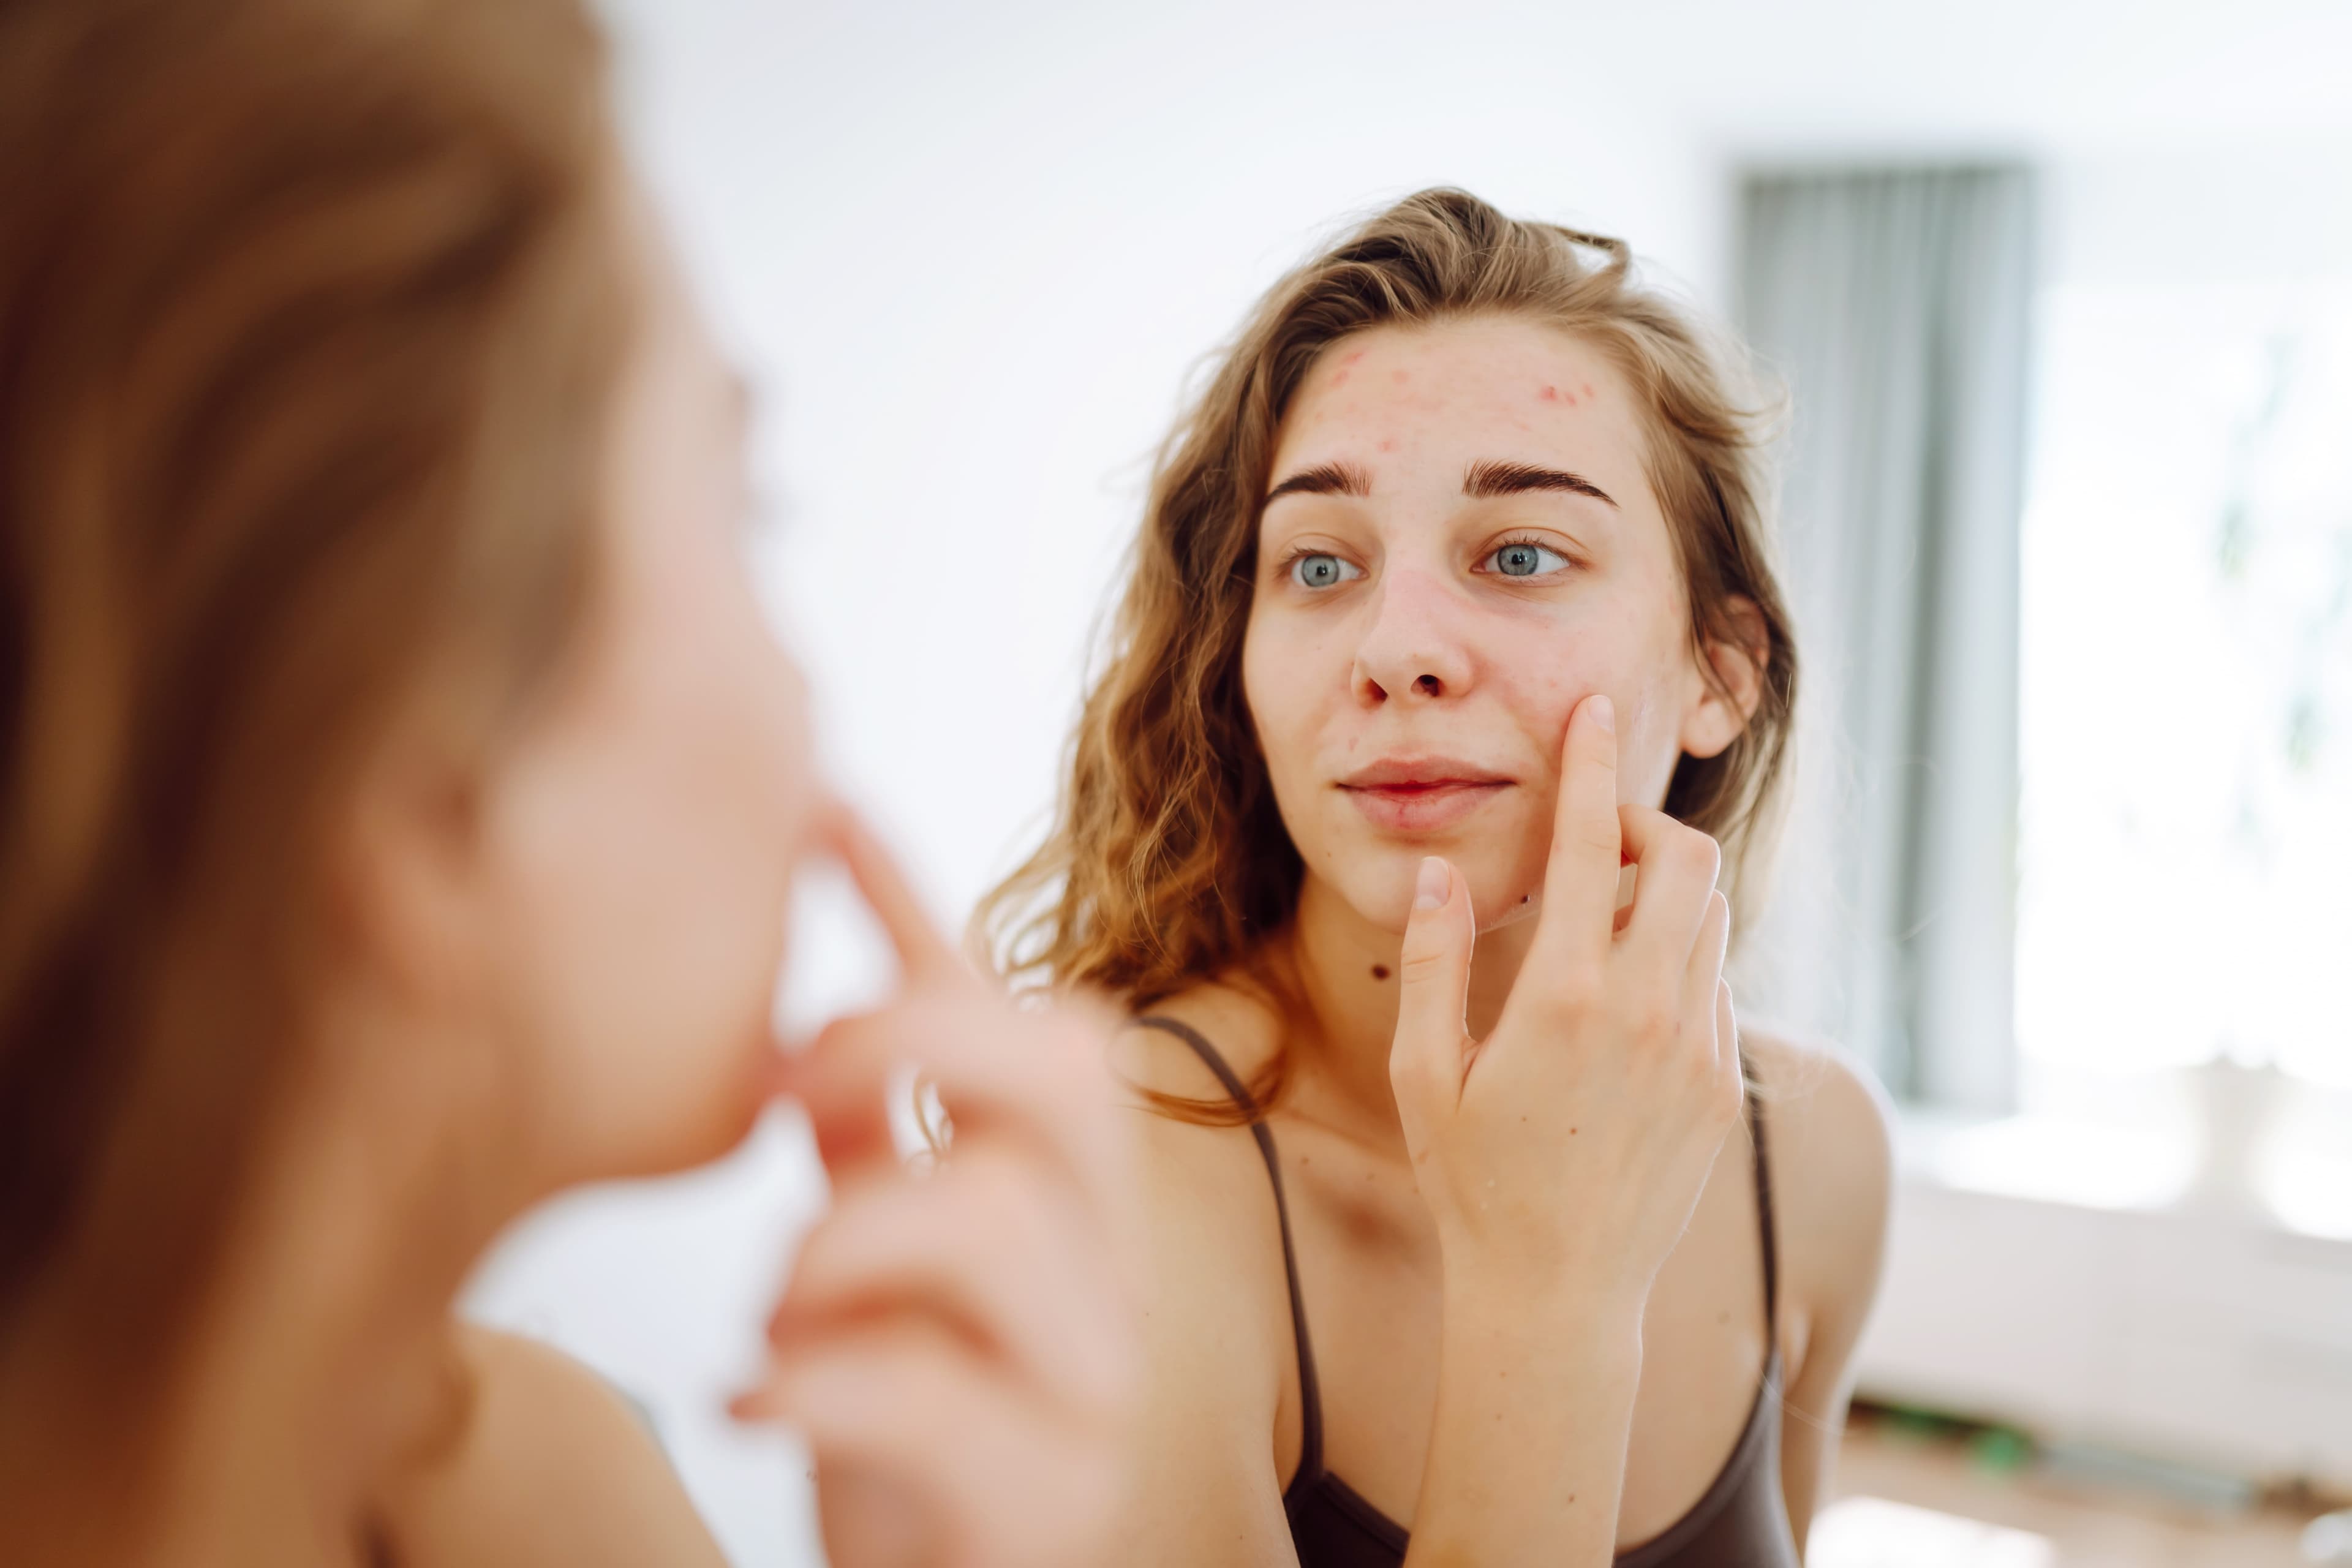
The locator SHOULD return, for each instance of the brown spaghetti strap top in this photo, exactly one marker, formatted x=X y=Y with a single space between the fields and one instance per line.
x=1741 y=1521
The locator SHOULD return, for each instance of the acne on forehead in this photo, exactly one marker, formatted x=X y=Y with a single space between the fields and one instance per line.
x=1521 y=375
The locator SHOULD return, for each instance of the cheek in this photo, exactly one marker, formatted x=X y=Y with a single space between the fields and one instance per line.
x=661 y=845
x=1277 y=693
x=1544 y=673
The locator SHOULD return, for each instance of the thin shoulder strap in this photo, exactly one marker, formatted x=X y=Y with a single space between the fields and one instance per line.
x=1765 y=1227
x=1310 y=1398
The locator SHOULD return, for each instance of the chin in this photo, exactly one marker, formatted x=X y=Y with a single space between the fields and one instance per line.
x=716 y=1106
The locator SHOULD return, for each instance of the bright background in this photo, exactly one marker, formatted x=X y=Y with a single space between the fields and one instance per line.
x=969 y=254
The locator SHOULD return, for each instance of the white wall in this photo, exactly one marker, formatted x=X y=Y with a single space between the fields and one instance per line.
x=2222 y=209
x=969 y=253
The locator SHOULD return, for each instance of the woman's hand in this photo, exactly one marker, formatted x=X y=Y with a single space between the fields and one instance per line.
x=957 y=1344
x=1568 y=1148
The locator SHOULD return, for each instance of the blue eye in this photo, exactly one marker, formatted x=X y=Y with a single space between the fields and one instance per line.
x=1525 y=558
x=1322 y=571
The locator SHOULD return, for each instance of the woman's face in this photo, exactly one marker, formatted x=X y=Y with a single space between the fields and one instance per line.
x=639 y=839
x=1460 y=544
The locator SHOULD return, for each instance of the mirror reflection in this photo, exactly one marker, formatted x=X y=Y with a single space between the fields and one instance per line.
x=910 y=785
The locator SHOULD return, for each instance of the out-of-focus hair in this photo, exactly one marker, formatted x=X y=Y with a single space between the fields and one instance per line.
x=1168 y=863
x=311 y=315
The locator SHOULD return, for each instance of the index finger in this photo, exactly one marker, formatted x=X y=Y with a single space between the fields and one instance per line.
x=1580 y=896
x=923 y=952
x=1036 y=1076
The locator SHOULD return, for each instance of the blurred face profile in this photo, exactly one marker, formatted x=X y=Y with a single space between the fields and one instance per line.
x=1462 y=544
x=626 y=891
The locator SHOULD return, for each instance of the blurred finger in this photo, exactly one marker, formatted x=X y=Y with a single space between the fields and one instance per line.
x=906 y=1405
x=1035 y=1076
x=988 y=1248
x=925 y=954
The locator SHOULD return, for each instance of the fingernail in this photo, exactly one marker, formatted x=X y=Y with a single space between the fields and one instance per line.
x=1605 y=712
x=1430 y=891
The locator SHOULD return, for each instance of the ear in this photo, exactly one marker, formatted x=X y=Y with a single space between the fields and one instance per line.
x=1731 y=685
x=407 y=892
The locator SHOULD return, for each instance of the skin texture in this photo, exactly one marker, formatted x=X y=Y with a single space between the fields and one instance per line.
x=1524 y=1211
x=559 y=965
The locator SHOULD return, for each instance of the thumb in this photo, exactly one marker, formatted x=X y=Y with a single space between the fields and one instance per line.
x=1433 y=976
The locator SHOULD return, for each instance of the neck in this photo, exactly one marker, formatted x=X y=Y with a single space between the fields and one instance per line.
x=1347 y=971
x=318 y=1356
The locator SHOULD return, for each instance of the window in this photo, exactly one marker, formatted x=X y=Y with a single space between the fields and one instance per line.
x=2185 y=748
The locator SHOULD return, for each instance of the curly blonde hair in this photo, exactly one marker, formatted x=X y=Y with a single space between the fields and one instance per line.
x=1168 y=863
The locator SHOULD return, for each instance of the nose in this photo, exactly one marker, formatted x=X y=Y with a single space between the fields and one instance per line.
x=1411 y=648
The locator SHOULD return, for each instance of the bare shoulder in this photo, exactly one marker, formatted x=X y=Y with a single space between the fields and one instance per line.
x=1830 y=1135
x=1221 y=1392
x=553 y=1467
x=1213 y=1232
x=1236 y=1026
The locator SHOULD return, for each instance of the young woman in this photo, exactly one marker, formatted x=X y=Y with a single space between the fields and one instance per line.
x=398 y=795
x=1453 y=595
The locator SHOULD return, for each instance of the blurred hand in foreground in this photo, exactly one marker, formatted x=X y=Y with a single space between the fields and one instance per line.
x=957 y=1344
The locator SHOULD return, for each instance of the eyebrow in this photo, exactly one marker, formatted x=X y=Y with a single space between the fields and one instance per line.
x=1480 y=482
x=1486 y=480
x=1325 y=480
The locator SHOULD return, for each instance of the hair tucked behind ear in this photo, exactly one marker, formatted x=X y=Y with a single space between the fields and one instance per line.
x=1167 y=864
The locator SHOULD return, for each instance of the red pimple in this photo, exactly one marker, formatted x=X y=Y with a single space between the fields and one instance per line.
x=1353 y=357
x=1587 y=389
x=1549 y=395
x=1389 y=444
x=1399 y=377
x=1339 y=380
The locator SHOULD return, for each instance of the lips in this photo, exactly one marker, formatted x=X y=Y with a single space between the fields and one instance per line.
x=1422 y=795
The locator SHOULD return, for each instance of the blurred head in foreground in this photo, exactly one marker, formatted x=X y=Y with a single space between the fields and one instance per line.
x=398 y=786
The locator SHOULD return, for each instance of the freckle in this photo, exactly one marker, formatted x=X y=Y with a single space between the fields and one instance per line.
x=1571 y=1133
x=1379 y=972
x=1723 y=1317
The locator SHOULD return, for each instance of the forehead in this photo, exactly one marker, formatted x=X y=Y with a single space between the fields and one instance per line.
x=1408 y=402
